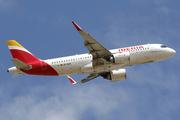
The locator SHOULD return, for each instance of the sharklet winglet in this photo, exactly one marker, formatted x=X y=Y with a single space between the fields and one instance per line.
x=77 y=27
x=71 y=80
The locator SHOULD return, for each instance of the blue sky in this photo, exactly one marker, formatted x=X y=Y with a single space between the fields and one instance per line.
x=151 y=91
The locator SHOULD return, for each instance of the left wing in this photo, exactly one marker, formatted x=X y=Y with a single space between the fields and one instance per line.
x=99 y=52
x=95 y=48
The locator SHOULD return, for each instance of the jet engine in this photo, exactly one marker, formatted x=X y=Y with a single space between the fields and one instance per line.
x=115 y=75
x=120 y=58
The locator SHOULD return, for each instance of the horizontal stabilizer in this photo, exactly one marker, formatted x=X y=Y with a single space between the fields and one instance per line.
x=15 y=75
x=21 y=65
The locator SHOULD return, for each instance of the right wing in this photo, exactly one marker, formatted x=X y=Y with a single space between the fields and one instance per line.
x=97 y=50
x=88 y=78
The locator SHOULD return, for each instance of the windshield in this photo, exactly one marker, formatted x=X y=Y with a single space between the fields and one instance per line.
x=163 y=46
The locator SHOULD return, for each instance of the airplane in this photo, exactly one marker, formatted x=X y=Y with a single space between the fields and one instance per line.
x=98 y=62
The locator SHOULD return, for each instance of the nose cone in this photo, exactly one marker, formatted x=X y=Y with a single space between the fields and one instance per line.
x=172 y=52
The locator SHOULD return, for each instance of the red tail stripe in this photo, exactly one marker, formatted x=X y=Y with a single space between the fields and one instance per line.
x=23 y=56
x=38 y=69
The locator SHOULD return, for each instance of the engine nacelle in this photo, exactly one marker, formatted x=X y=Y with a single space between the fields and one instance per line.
x=120 y=58
x=115 y=75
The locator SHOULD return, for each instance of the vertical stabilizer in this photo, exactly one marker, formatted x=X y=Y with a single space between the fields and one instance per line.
x=20 y=52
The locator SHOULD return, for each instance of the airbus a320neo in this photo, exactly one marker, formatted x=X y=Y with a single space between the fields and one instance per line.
x=98 y=62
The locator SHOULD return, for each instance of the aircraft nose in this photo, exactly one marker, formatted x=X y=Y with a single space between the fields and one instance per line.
x=173 y=52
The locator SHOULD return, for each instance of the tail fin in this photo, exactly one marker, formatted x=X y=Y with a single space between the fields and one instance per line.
x=20 y=52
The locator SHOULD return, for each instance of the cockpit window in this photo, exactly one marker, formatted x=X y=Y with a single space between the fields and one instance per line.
x=163 y=46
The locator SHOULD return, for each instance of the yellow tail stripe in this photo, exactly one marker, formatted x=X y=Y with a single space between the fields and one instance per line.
x=13 y=43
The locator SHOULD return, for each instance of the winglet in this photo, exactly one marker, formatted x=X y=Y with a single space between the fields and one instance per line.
x=77 y=27
x=71 y=80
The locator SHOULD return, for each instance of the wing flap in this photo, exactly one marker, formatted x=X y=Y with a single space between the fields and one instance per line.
x=95 y=48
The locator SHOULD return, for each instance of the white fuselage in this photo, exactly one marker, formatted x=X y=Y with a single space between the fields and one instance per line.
x=83 y=63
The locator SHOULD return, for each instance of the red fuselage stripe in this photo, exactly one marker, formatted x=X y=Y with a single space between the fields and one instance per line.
x=38 y=67
x=41 y=68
